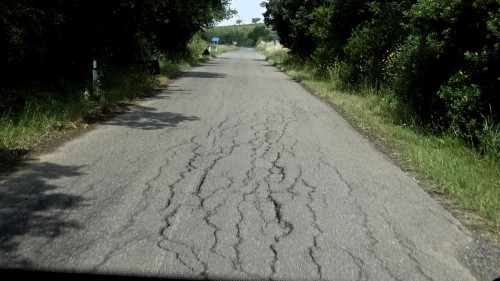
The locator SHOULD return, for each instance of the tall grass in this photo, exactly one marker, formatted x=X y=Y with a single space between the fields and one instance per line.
x=48 y=113
x=459 y=173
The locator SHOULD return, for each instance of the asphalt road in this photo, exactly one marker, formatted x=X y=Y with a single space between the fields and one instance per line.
x=233 y=171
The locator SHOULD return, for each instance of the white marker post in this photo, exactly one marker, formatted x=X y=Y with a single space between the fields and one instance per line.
x=95 y=78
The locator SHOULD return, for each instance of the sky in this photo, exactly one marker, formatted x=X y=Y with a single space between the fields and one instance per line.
x=247 y=9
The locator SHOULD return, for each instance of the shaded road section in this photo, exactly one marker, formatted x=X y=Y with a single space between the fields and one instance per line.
x=233 y=171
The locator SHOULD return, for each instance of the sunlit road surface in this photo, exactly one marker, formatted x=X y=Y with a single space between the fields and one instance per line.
x=234 y=171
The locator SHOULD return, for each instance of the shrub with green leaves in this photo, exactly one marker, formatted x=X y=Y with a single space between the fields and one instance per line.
x=448 y=67
x=367 y=48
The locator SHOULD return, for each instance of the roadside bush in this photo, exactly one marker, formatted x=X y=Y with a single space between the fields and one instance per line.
x=370 y=43
x=463 y=105
x=448 y=67
x=321 y=60
x=260 y=32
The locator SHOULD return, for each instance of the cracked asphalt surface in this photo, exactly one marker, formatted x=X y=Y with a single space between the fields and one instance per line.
x=234 y=171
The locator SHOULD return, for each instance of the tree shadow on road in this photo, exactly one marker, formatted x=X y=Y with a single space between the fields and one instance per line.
x=203 y=74
x=30 y=206
x=149 y=118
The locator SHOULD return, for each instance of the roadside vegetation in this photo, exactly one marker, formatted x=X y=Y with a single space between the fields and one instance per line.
x=48 y=51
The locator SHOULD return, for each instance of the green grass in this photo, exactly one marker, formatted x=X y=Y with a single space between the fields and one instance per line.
x=47 y=113
x=467 y=179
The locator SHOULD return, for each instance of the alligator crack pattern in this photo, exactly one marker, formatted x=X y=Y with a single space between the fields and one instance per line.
x=268 y=144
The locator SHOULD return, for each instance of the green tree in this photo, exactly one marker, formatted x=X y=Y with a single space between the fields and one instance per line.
x=259 y=32
x=316 y=26
x=291 y=20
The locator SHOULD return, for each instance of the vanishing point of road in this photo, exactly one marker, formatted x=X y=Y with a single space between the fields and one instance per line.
x=234 y=171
